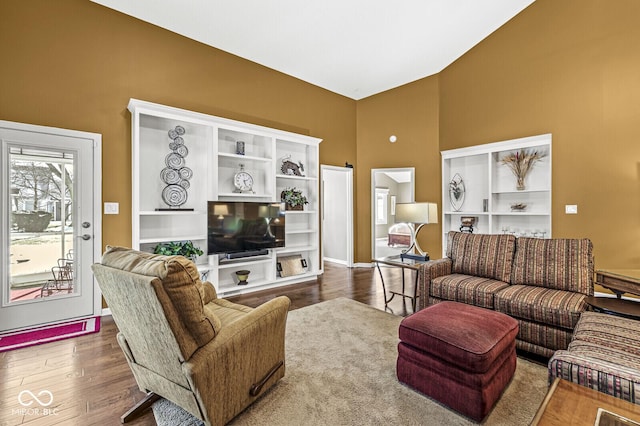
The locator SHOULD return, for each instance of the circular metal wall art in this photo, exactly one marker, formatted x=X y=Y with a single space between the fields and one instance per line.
x=174 y=195
x=174 y=160
x=175 y=175
x=182 y=150
x=170 y=176
x=185 y=173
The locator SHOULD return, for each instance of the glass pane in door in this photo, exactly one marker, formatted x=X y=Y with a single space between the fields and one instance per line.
x=41 y=259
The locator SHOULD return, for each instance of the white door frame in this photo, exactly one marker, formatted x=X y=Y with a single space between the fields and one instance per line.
x=412 y=172
x=96 y=225
x=348 y=207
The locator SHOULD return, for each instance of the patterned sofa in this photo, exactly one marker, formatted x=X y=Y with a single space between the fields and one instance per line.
x=604 y=355
x=541 y=283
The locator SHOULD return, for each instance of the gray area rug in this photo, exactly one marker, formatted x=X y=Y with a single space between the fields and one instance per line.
x=341 y=360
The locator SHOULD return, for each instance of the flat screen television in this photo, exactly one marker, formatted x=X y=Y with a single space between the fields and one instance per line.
x=244 y=227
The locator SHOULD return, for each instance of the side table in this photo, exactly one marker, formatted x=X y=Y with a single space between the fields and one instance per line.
x=405 y=264
x=609 y=305
x=619 y=281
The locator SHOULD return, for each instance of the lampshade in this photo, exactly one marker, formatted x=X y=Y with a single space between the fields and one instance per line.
x=221 y=210
x=263 y=211
x=416 y=213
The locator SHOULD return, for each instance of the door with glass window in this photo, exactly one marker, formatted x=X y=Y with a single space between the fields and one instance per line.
x=48 y=225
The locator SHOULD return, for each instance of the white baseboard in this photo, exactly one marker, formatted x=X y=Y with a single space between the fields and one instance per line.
x=337 y=261
x=613 y=296
x=106 y=312
x=363 y=265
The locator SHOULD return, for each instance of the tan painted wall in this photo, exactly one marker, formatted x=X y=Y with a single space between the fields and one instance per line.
x=411 y=113
x=570 y=68
x=74 y=64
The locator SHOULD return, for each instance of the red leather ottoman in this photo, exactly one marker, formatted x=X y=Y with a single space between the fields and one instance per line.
x=460 y=355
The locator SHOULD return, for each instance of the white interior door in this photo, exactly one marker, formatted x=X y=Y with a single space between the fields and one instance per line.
x=50 y=224
x=337 y=214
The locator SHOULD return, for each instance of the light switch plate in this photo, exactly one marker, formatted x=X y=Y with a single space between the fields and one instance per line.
x=571 y=209
x=111 y=208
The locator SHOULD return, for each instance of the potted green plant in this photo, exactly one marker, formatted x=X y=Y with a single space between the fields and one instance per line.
x=182 y=248
x=293 y=199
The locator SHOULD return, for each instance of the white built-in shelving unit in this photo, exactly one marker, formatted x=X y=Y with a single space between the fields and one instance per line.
x=212 y=156
x=491 y=189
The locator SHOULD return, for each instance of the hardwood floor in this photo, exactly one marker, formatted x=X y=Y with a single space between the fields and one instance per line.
x=89 y=378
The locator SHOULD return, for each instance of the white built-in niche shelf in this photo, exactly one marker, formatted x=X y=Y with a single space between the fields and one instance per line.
x=491 y=195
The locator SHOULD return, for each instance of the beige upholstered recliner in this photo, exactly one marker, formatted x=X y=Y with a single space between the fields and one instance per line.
x=211 y=357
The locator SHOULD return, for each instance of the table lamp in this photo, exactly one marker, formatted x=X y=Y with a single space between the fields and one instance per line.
x=413 y=214
x=221 y=210
x=270 y=212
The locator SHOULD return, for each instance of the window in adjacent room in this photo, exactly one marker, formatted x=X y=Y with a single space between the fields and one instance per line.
x=382 y=202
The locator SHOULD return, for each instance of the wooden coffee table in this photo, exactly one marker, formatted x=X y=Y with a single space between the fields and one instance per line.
x=567 y=404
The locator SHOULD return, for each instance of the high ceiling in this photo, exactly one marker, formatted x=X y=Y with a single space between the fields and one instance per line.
x=355 y=48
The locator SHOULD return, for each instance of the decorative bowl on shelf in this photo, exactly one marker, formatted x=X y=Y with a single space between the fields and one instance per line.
x=468 y=220
x=518 y=207
x=242 y=276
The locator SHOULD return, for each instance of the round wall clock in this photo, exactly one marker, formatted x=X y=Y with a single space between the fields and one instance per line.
x=243 y=181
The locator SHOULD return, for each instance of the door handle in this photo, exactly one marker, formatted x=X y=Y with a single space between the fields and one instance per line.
x=85 y=237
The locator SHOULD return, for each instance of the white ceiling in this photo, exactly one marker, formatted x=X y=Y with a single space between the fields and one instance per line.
x=400 y=177
x=355 y=48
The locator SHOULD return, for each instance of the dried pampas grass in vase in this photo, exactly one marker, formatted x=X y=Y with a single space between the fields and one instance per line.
x=520 y=163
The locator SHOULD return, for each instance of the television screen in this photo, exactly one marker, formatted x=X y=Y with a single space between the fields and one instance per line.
x=234 y=227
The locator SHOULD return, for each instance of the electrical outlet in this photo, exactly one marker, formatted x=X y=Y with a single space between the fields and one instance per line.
x=111 y=208
x=571 y=209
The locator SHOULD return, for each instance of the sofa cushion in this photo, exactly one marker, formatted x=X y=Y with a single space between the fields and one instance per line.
x=555 y=308
x=542 y=339
x=561 y=264
x=616 y=334
x=477 y=291
x=482 y=255
x=181 y=282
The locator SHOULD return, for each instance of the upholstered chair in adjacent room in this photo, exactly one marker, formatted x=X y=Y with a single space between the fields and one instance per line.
x=209 y=356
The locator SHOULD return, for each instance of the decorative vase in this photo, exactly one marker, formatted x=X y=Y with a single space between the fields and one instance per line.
x=520 y=183
x=242 y=276
x=240 y=147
